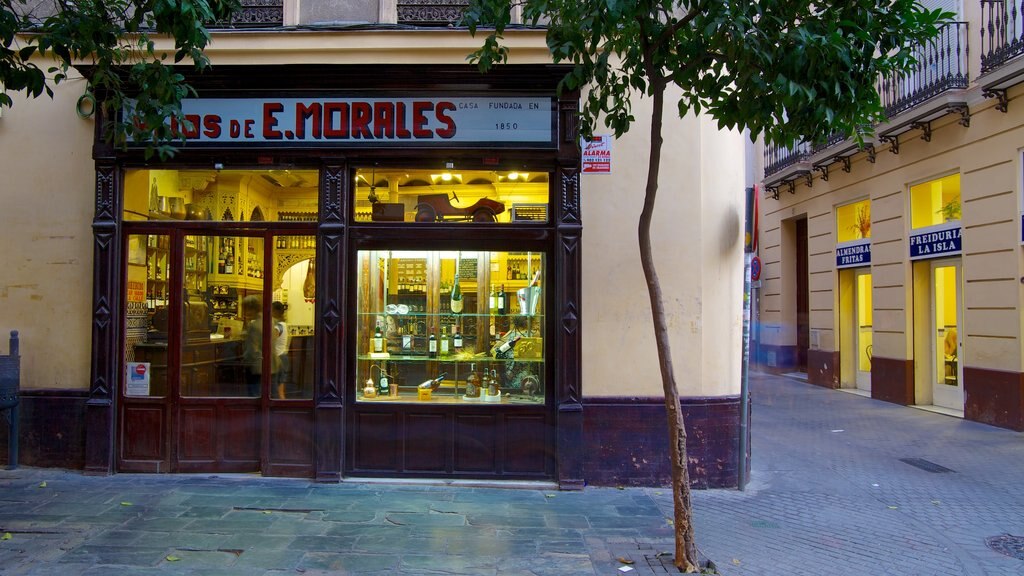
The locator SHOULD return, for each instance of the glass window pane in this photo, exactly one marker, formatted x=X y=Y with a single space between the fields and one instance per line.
x=450 y=327
x=146 y=301
x=223 y=317
x=935 y=201
x=294 y=283
x=853 y=221
x=450 y=195
x=221 y=195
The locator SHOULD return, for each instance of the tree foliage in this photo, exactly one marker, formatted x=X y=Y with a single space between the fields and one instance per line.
x=41 y=41
x=787 y=69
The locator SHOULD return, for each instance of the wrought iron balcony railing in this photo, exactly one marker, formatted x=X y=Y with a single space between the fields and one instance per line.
x=256 y=14
x=431 y=12
x=941 y=66
x=778 y=158
x=1002 y=32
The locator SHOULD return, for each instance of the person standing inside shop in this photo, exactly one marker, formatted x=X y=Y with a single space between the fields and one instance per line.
x=277 y=310
x=252 y=355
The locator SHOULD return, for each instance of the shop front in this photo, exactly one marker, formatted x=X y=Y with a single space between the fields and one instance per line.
x=342 y=275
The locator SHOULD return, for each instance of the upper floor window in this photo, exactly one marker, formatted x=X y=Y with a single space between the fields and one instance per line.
x=853 y=221
x=935 y=201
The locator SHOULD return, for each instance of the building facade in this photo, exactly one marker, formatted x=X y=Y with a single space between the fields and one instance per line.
x=420 y=225
x=894 y=268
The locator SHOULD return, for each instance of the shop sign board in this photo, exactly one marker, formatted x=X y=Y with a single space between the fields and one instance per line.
x=853 y=253
x=597 y=155
x=934 y=241
x=136 y=379
x=367 y=122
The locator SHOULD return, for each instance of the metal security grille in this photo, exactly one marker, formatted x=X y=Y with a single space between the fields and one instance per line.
x=925 y=465
x=256 y=14
x=431 y=12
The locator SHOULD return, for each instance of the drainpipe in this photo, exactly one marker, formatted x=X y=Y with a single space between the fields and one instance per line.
x=748 y=255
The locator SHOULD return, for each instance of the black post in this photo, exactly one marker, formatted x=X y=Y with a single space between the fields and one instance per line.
x=10 y=385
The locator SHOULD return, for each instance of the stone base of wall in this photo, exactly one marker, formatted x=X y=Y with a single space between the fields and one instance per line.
x=626 y=441
x=52 y=429
x=892 y=380
x=822 y=368
x=994 y=397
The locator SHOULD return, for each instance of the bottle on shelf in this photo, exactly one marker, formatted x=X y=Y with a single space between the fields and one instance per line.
x=492 y=300
x=504 y=350
x=378 y=340
x=501 y=300
x=492 y=386
x=456 y=296
x=433 y=383
x=472 y=383
x=444 y=341
x=432 y=346
x=457 y=340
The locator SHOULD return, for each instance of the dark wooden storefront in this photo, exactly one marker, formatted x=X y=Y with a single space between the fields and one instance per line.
x=330 y=435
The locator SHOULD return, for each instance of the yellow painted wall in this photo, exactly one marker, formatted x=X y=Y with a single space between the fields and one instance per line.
x=697 y=231
x=985 y=157
x=48 y=204
x=697 y=241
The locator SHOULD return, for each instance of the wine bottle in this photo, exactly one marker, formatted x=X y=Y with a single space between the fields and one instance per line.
x=434 y=383
x=432 y=346
x=457 y=340
x=378 y=340
x=492 y=300
x=501 y=300
x=444 y=341
x=506 y=347
x=456 y=298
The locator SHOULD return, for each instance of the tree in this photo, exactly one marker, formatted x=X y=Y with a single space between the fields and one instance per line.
x=117 y=40
x=787 y=69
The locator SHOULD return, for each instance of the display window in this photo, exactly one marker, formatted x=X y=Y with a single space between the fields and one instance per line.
x=221 y=195
x=853 y=221
x=935 y=202
x=454 y=327
x=450 y=195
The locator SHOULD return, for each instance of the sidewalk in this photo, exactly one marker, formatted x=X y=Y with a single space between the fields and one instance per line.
x=829 y=495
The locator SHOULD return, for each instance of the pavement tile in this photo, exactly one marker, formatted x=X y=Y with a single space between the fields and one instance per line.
x=828 y=496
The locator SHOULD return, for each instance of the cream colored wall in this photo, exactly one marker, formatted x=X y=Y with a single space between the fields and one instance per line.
x=46 y=263
x=697 y=242
x=987 y=155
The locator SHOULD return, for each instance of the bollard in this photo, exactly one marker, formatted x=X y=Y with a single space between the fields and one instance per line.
x=10 y=384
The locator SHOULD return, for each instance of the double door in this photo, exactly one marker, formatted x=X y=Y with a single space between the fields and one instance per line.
x=216 y=379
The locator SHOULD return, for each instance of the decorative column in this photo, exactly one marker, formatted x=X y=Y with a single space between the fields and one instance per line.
x=329 y=410
x=568 y=275
x=100 y=408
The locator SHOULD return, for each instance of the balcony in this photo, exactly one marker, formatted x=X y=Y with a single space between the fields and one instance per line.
x=431 y=12
x=256 y=14
x=1002 y=32
x=941 y=66
x=932 y=88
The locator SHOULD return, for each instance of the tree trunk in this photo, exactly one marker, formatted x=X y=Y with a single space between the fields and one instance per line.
x=686 y=550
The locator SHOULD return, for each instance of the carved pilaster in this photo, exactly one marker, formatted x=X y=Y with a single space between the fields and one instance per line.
x=568 y=341
x=99 y=450
x=569 y=197
x=330 y=309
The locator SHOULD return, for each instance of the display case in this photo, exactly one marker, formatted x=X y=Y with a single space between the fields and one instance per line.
x=450 y=327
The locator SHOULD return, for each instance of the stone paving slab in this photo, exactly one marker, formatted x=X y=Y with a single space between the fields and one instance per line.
x=831 y=494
